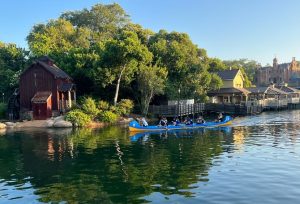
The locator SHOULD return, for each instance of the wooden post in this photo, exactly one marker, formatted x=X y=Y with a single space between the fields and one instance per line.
x=69 y=99
x=74 y=92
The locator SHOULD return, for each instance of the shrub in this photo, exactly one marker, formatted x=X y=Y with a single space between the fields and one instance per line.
x=3 y=109
x=108 y=116
x=89 y=107
x=125 y=106
x=78 y=118
x=103 y=106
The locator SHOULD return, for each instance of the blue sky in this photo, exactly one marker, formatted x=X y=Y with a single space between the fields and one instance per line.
x=227 y=29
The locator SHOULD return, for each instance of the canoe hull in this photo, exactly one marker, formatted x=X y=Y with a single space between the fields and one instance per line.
x=135 y=127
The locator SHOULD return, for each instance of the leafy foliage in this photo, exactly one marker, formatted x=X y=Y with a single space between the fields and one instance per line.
x=103 y=20
x=12 y=63
x=103 y=105
x=108 y=116
x=125 y=106
x=89 y=107
x=151 y=81
x=78 y=118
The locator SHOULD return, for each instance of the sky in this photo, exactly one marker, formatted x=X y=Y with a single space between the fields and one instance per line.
x=228 y=29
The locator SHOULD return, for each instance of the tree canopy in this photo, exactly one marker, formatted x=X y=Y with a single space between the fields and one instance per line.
x=108 y=55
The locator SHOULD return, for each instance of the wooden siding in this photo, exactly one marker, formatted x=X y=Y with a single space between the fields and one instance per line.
x=44 y=81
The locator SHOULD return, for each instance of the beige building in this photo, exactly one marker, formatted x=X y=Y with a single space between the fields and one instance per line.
x=279 y=74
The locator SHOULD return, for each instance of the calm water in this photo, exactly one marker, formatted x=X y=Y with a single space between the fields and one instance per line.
x=257 y=160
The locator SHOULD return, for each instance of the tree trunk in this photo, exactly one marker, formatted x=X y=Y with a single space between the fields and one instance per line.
x=118 y=86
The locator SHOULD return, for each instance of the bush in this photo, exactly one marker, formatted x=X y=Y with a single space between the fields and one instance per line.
x=108 y=117
x=89 y=107
x=78 y=118
x=3 y=109
x=103 y=106
x=125 y=106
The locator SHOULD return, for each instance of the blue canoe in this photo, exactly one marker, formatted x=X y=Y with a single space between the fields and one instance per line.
x=134 y=126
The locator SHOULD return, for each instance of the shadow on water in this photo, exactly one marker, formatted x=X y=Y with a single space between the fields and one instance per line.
x=104 y=165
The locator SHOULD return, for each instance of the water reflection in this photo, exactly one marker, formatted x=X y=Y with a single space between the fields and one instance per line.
x=112 y=166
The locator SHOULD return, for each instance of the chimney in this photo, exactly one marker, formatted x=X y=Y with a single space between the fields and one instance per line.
x=46 y=60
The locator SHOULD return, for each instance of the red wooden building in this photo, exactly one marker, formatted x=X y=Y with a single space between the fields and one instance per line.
x=45 y=90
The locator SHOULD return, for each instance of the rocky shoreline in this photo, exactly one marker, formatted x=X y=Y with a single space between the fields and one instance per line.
x=58 y=122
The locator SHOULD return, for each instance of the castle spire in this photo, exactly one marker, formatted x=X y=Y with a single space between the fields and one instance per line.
x=275 y=62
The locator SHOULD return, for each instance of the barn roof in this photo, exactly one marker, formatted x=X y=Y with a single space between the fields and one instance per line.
x=41 y=97
x=47 y=63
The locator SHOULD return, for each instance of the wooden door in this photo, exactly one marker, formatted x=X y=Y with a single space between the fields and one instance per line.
x=39 y=111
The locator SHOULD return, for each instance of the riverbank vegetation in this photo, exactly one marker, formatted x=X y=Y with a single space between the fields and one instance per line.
x=100 y=111
x=110 y=57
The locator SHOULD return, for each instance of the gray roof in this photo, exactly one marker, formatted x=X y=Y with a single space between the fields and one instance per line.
x=266 y=90
x=53 y=69
x=41 y=97
x=258 y=89
x=227 y=74
x=66 y=87
x=229 y=91
x=288 y=89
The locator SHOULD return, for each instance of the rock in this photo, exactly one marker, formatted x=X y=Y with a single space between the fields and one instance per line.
x=2 y=126
x=2 y=131
x=59 y=118
x=62 y=124
x=10 y=124
x=49 y=123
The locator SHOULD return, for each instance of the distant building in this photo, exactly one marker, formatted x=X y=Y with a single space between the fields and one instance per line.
x=279 y=74
x=232 y=78
x=232 y=90
x=45 y=90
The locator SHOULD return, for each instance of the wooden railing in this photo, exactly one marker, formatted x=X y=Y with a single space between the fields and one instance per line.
x=177 y=110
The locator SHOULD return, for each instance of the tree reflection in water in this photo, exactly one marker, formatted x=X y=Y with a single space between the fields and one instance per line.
x=105 y=166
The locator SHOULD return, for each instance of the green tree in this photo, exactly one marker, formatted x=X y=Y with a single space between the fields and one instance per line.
x=151 y=81
x=13 y=61
x=57 y=36
x=183 y=60
x=121 y=58
x=103 y=20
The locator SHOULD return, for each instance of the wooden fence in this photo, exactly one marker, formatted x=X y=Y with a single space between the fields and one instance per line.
x=177 y=110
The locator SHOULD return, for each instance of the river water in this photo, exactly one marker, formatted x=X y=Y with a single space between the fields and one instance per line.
x=256 y=160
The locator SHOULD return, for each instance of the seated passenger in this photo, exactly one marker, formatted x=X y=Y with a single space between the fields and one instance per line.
x=220 y=117
x=176 y=121
x=200 y=120
x=188 y=121
x=163 y=122
x=144 y=122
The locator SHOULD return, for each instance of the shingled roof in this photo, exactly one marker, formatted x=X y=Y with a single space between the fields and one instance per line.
x=48 y=64
x=229 y=91
x=41 y=97
x=227 y=74
x=266 y=90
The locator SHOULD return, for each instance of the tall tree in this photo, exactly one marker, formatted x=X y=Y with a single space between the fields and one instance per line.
x=121 y=58
x=57 y=36
x=151 y=81
x=13 y=61
x=183 y=60
x=103 y=20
